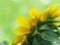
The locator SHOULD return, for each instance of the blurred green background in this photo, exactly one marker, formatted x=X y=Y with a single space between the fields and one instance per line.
x=9 y=9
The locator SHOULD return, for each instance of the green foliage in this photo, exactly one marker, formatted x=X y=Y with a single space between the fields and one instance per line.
x=43 y=33
x=49 y=35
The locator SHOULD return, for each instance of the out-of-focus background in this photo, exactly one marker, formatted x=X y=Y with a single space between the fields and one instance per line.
x=9 y=9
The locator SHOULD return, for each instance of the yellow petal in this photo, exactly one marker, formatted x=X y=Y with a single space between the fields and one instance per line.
x=44 y=15
x=43 y=18
x=49 y=10
x=22 y=21
x=46 y=12
x=53 y=8
x=57 y=13
x=34 y=13
x=22 y=31
x=33 y=21
x=57 y=23
x=18 y=40
x=57 y=18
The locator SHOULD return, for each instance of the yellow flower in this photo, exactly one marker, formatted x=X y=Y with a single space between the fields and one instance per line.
x=25 y=24
x=50 y=10
x=17 y=40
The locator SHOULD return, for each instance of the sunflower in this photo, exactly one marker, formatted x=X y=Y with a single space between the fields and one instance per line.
x=26 y=25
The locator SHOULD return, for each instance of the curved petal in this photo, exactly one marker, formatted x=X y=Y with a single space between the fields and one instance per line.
x=34 y=13
x=44 y=15
x=46 y=12
x=43 y=18
x=57 y=13
x=57 y=23
x=33 y=21
x=22 y=31
x=53 y=8
x=22 y=21
x=18 y=40
x=49 y=10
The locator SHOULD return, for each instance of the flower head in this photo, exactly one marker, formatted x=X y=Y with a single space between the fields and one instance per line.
x=35 y=21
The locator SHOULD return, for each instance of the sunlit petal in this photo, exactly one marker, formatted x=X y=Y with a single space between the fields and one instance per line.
x=34 y=13
x=33 y=21
x=49 y=10
x=57 y=13
x=22 y=31
x=57 y=23
x=22 y=21
x=53 y=8
x=18 y=40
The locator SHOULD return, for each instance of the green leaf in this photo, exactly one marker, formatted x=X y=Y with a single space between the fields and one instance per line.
x=51 y=26
x=47 y=27
x=44 y=27
x=49 y=36
x=30 y=38
x=35 y=42
x=38 y=40
x=58 y=33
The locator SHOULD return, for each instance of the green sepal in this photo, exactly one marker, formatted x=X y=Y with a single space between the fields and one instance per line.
x=49 y=17
x=49 y=36
x=35 y=42
x=30 y=38
x=47 y=27
x=58 y=33
x=38 y=40
x=39 y=23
